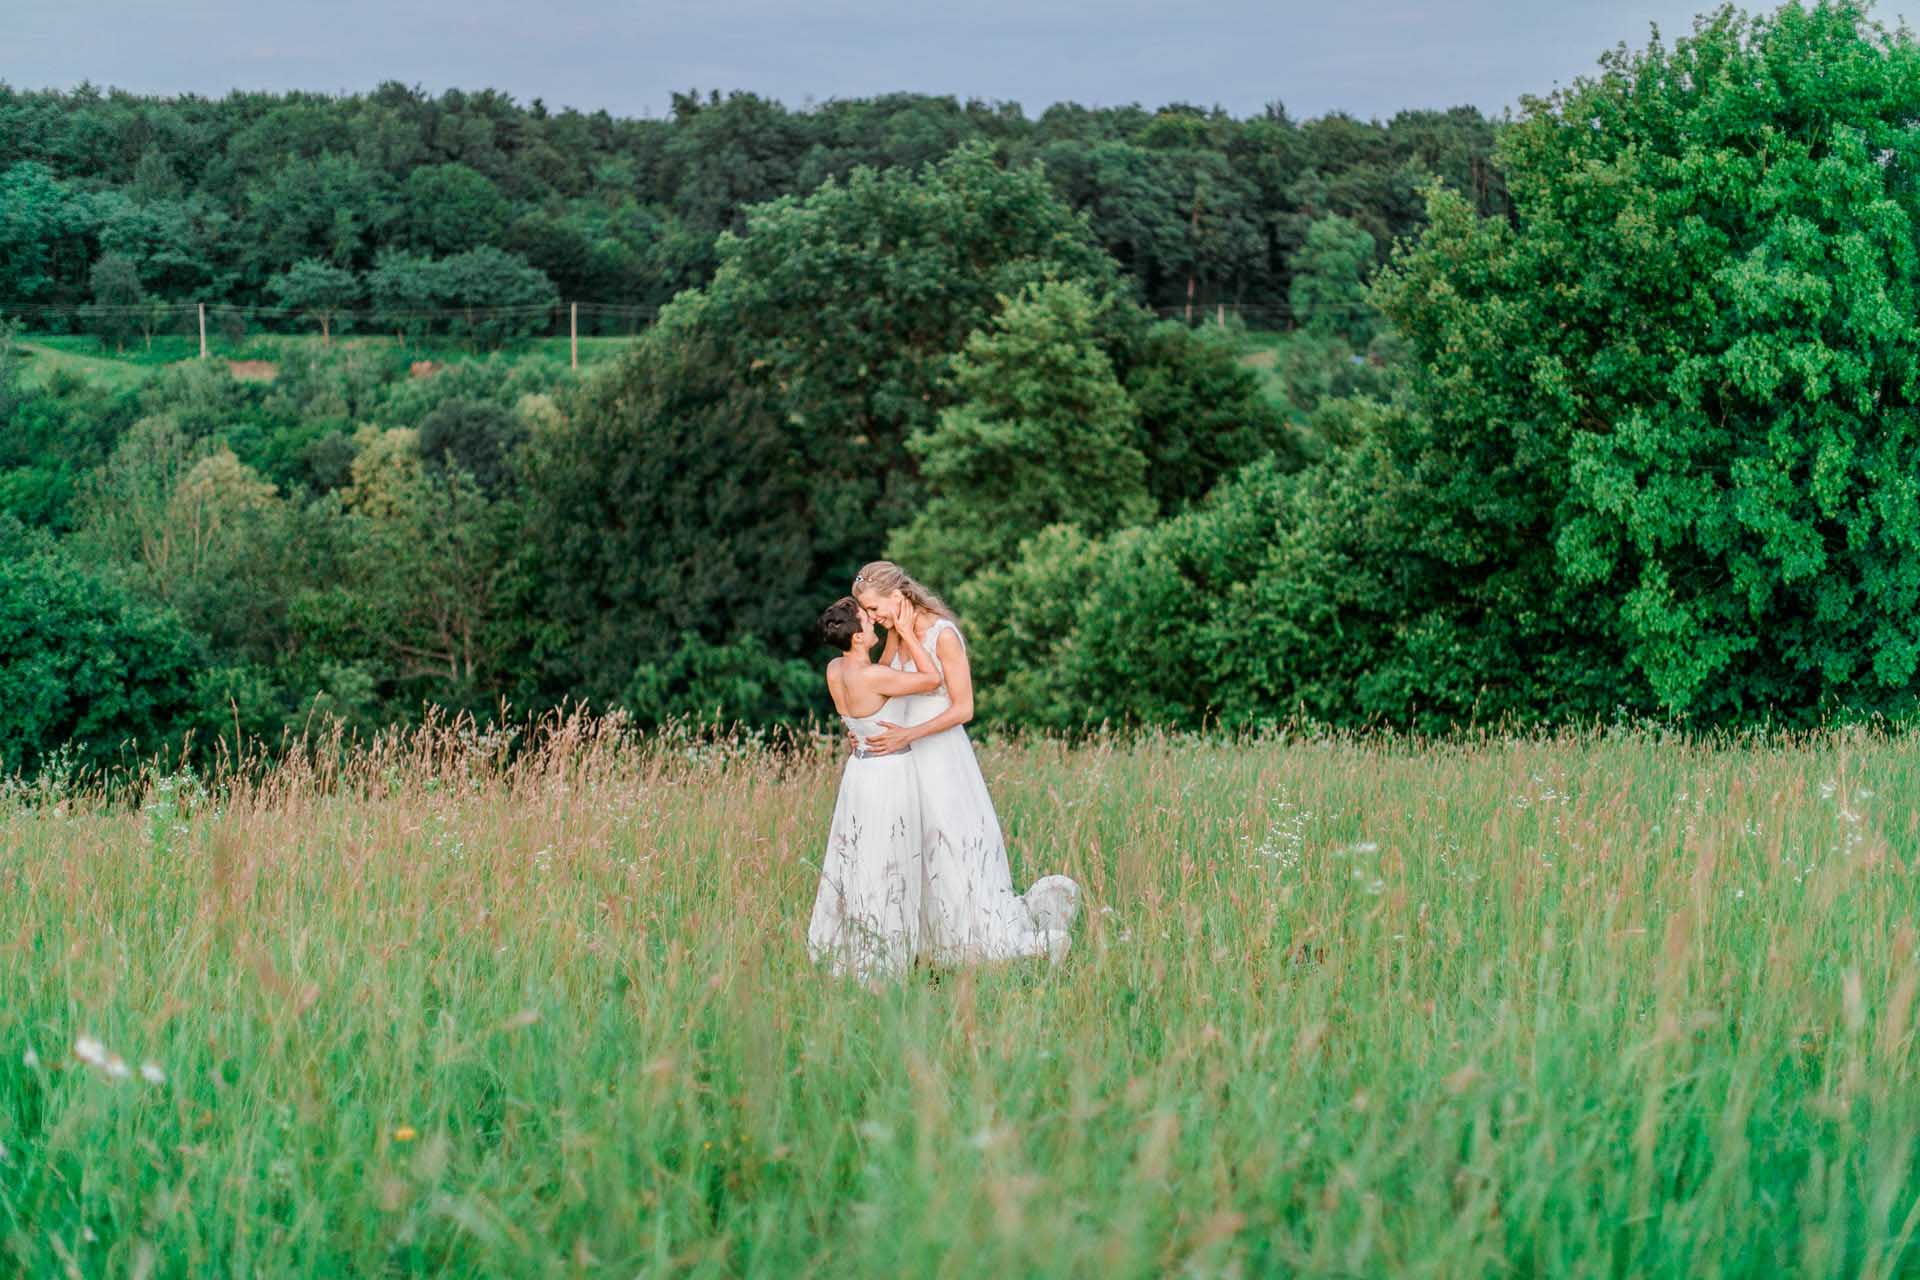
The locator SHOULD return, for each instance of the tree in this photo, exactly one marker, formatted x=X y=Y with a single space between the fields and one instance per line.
x=431 y=579
x=668 y=501
x=448 y=208
x=119 y=300
x=85 y=666
x=42 y=231
x=406 y=291
x=737 y=681
x=499 y=295
x=841 y=312
x=318 y=290
x=1203 y=415
x=475 y=438
x=1684 y=385
x=1329 y=290
x=1043 y=434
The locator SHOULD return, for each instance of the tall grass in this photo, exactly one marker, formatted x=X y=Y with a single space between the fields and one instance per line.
x=1584 y=1005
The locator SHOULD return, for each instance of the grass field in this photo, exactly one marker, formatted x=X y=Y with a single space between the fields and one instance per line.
x=1584 y=1006
x=85 y=357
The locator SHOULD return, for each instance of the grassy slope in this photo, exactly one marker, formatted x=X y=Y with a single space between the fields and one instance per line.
x=1553 y=1008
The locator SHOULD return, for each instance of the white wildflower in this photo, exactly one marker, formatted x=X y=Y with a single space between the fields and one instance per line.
x=30 y=1060
x=94 y=1054
x=152 y=1074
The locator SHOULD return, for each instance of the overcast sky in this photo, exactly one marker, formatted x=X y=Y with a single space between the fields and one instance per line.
x=1368 y=57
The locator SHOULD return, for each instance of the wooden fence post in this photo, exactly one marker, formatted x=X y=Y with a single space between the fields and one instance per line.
x=573 y=331
x=203 y=330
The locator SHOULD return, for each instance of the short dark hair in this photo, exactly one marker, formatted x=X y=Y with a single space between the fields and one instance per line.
x=840 y=623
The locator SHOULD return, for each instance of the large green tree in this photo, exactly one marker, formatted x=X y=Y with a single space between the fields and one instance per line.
x=664 y=503
x=842 y=311
x=1658 y=453
x=1043 y=434
x=1685 y=382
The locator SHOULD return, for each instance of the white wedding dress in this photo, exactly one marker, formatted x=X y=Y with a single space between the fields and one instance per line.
x=969 y=911
x=866 y=916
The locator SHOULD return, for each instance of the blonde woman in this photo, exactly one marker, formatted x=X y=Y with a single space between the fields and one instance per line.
x=970 y=912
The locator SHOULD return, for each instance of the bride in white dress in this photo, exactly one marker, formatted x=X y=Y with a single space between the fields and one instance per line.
x=969 y=911
x=867 y=914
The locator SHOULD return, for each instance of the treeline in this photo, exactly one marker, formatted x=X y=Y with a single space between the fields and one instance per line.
x=1645 y=447
x=309 y=201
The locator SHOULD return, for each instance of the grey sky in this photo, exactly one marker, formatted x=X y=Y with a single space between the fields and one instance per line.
x=1369 y=57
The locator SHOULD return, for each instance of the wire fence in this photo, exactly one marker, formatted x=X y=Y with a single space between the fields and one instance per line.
x=227 y=326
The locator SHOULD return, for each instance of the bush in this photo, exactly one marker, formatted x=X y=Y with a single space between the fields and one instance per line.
x=86 y=665
x=473 y=437
x=738 y=682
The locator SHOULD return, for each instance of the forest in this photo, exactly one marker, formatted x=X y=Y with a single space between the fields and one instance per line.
x=1602 y=413
x=270 y=201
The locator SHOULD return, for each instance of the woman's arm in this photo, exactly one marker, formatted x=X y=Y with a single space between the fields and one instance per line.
x=953 y=657
x=891 y=684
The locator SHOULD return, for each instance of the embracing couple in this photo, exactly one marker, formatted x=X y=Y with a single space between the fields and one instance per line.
x=915 y=867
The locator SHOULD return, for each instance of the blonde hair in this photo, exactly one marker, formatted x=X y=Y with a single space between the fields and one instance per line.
x=885 y=575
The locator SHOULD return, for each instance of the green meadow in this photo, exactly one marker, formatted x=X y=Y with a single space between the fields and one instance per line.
x=1581 y=1005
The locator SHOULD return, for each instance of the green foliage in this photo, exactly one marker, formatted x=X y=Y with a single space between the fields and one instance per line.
x=449 y=208
x=1203 y=414
x=42 y=234
x=404 y=289
x=475 y=438
x=843 y=310
x=117 y=298
x=1329 y=289
x=1656 y=453
x=430 y=595
x=85 y=666
x=319 y=290
x=1042 y=434
x=408 y=288
x=1684 y=384
x=739 y=682
x=483 y=280
x=665 y=499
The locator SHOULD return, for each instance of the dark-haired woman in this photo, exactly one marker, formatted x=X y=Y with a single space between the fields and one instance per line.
x=866 y=915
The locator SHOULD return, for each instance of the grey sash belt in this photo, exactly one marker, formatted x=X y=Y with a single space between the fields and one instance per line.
x=861 y=753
